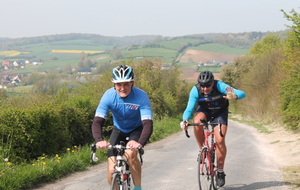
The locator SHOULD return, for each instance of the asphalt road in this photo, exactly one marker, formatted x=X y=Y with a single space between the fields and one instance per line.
x=170 y=164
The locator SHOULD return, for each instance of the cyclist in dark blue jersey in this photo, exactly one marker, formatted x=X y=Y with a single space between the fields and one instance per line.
x=132 y=118
x=212 y=97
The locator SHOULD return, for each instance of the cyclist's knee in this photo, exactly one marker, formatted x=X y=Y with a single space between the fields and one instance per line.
x=132 y=157
x=220 y=141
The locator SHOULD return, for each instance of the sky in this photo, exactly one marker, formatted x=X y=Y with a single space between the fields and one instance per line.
x=30 y=18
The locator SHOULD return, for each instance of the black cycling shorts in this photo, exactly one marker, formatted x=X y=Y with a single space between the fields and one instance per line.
x=117 y=136
x=222 y=116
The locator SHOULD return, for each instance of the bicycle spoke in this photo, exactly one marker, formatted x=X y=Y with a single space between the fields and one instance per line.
x=204 y=176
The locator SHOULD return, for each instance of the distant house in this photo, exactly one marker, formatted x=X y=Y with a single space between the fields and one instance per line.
x=16 y=64
x=37 y=63
x=85 y=71
x=2 y=87
x=6 y=63
x=27 y=62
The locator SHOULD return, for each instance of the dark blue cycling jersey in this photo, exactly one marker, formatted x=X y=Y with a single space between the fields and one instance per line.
x=194 y=98
x=128 y=112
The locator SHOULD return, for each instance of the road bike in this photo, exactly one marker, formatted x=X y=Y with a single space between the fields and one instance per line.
x=121 y=179
x=206 y=160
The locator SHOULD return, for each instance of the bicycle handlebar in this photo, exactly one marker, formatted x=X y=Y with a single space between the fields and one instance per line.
x=205 y=123
x=117 y=147
x=122 y=147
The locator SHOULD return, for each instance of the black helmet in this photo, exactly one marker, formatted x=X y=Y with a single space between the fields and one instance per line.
x=205 y=78
x=122 y=73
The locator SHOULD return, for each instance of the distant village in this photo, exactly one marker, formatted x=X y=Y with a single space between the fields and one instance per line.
x=13 y=79
x=8 y=80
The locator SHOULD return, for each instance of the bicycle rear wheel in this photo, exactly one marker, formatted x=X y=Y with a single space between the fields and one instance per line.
x=204 y=176
x=116 y=182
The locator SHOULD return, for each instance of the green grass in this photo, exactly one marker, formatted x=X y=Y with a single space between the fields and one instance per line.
x=175 y=43
x=42 y=50
x=214 y=69
x=261 y=128
x=218 y=48
x=48 y=168
x=166 y=55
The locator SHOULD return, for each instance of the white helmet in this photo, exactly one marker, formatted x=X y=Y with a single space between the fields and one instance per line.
x=122 y=73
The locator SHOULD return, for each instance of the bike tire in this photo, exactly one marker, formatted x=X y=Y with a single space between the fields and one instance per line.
x=116 y=182
x=213 y=157
x=204 y=176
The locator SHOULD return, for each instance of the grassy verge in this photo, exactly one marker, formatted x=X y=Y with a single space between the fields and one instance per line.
x=48 y=168
x=260 y=127
x=292 y=176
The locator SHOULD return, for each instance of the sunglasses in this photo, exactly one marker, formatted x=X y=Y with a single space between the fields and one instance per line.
x=206 y=85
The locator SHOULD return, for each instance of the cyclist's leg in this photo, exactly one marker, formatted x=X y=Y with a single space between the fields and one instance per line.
x=132 y=156
x=198 y=130
x=110 y=168
x=220 y=141
x=221 y=147
x=135 y=167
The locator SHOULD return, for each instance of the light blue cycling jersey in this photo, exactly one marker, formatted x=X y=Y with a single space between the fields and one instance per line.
x=128 y=112
x=194 y=98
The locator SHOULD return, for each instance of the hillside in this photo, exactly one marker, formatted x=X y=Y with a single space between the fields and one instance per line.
x=44 y=50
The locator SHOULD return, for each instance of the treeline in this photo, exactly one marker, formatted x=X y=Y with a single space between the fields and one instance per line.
x=47 y=122
x=235 y=40
x=9 y=44
x=270 y=75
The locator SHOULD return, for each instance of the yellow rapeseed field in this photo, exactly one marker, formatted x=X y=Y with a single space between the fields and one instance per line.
x=11 y=53
x=76 y=51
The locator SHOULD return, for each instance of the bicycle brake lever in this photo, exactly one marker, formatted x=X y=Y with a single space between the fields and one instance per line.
x=187 y=134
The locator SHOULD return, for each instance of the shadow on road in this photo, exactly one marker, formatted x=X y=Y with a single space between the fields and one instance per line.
x=259 y=185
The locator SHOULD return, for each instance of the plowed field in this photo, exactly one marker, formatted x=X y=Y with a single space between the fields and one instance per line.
x=189 y=72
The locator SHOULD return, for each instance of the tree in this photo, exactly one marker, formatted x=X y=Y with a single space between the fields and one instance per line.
x=115 y=52
x=267 y=43
x=290 y=88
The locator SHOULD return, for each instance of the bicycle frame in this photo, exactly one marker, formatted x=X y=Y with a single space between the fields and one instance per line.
x=121 y=168
x=122 y=174
x=206 y=157
x=210 y=146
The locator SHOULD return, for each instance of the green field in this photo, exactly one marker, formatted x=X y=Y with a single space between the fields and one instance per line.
x=168 y=53
x=218 y=48
x=174 y=44
x=214 y=69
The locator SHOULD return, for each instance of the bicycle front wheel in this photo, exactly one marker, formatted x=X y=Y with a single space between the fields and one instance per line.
x=116 y=182
x=204 y=175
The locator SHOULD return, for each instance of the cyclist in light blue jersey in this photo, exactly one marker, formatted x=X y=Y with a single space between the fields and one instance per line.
x=212 y=97
x=132 y=118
